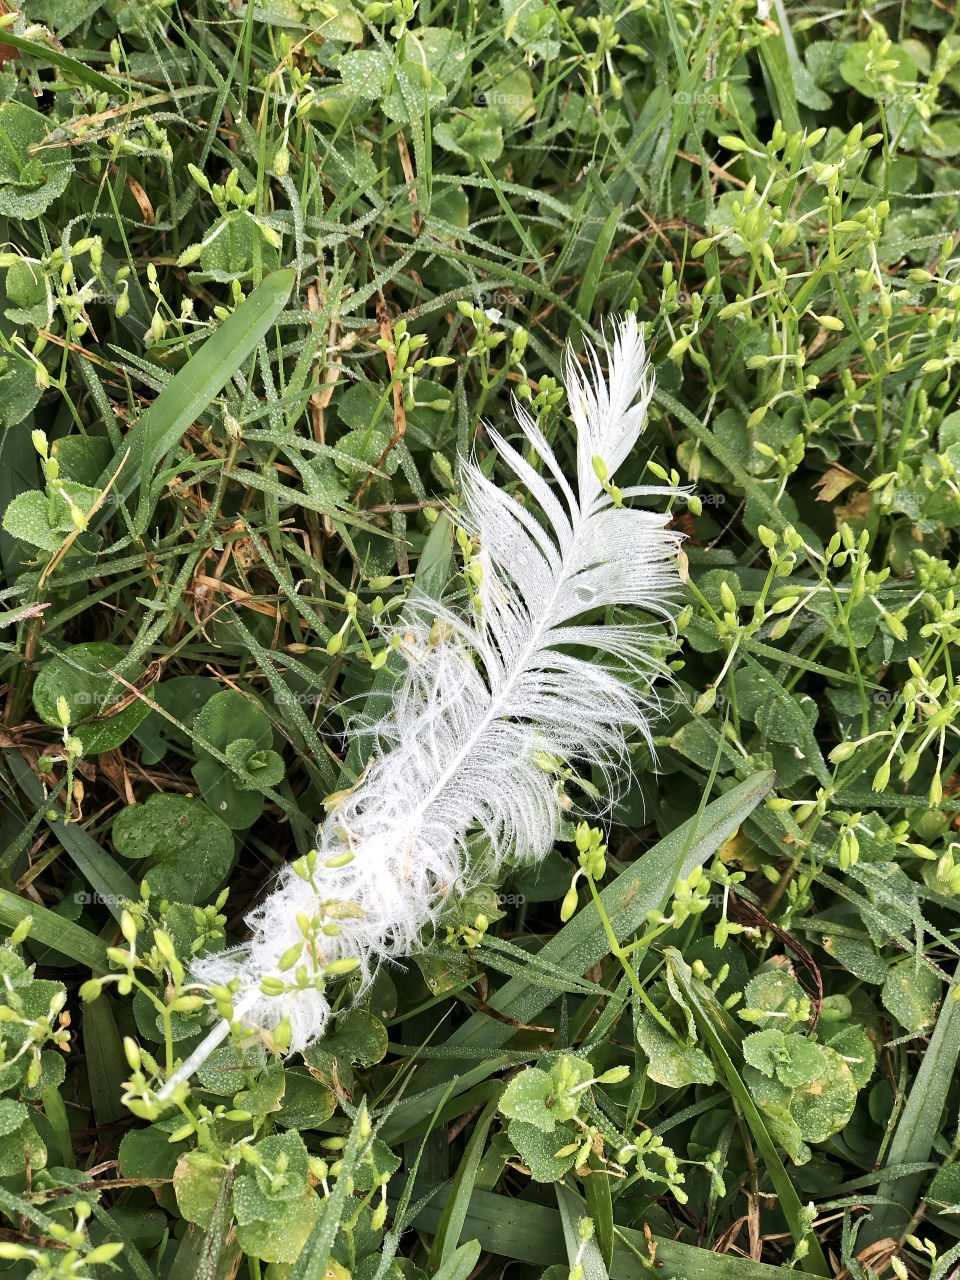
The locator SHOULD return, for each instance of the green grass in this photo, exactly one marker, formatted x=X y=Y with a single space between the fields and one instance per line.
x=222 y=463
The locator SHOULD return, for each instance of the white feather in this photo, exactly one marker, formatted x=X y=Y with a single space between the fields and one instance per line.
x=479 y=714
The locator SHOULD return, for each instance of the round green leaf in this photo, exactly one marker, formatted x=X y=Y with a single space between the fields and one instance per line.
x=367 y=446
x=19 y=392
x=25 y=283
x=228 y=716
x=525 y=1098
x=511 y=97
x=196 y=1183
x=283 y=1239
x=911 y=993
x=31 y=517
x=79 y=675
x=870 y=84
x=854 y=1047
x=12 y=1116
x=225 y=718
x=822 y=1107
x=250 y=1204
x=285 y=1149
x=444 y=50
x=263 y=1097
x=670 y=1062
x=359 y=1037
x=858 y=957
x=256 y=767
x=53 y=1069
x=13 y=1151
x=804 y=1064
x=770 y=990
x=477 y=136
x=942 y=139
x=188 y=850
x=228 y=1067
x=182 y=696
x=365 y=72
x=534 y=28
x=793 y=1059
x=148 y=1153
x=82 y=458
x=307 y=1103
x=239 y=808
x=30 y=178
x=538 y=1150
x=27 y=518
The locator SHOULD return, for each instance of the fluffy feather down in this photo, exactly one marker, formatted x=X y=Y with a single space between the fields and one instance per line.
x=479 y=714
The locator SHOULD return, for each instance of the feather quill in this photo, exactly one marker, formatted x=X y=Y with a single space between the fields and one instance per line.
x=488 y=709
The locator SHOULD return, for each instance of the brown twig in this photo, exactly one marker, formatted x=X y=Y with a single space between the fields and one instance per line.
x=399 y=413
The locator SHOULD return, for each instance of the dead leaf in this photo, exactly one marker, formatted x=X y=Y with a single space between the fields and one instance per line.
x=7 y=51
x=740 y=849
x=141 y=197
x=856 y=511
x=407 y=166
x=245 y=553
x=832 y=483
x=237 y=594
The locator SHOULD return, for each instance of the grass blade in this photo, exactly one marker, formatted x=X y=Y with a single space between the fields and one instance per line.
x=103 y=874
x=594 y=269
x=599 y=1200
x=313 y=1259
x=528 y=1232
x=63 y=62
x=53 y=931
x=190 y=391
x=461 y=1262
x=782 y=64
x=458 y=1202
x=107 y=1064
x=572 y=1210
x=714 y=1031
x=917 y=1128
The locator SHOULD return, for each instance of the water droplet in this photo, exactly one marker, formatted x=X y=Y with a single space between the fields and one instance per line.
x=584 y=595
